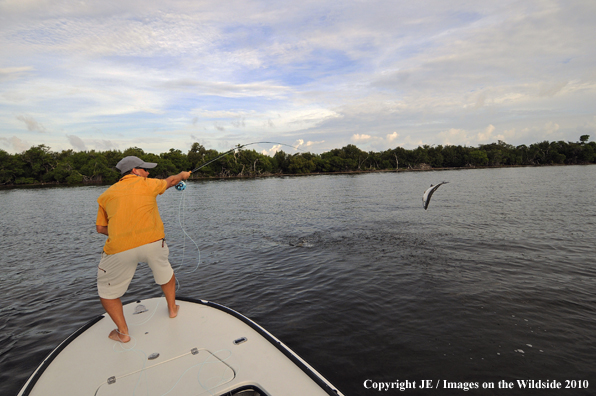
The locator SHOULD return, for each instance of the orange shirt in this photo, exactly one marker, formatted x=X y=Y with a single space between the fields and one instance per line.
x=129 y=210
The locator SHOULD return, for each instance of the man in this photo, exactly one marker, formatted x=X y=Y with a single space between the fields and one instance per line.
x=129 y=216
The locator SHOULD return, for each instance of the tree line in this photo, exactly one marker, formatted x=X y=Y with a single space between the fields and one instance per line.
x=40 y=164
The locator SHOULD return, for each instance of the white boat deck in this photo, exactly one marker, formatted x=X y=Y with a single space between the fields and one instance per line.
x=207 y=350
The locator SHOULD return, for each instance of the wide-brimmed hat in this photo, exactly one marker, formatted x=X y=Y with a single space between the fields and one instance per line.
x=127 y=163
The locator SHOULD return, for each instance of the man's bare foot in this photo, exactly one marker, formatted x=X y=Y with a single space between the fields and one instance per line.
x=174 y=313
x=117 y=336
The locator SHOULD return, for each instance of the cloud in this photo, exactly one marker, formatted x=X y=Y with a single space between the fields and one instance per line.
x=551 y=128
x=300 y=143
x=377 y=74
x=227 y=89
x=296 y=146
x=361 y=137
x=103 y=145
x=551 y=89
x=392 y=136
x=588 y=127
x=311 y=143
x=15 y=144
x=487 y=134
x=31 y=124
x=480 y=100
x=271 y=152
x=239 y=122
x=411 y=142
x=76 y=142
x=454 y=137
x=12 y=73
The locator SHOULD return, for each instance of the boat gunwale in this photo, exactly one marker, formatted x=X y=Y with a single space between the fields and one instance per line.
x=30 y=384
x=316 y=377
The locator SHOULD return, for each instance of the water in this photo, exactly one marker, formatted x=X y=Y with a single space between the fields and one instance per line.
x=349 y=271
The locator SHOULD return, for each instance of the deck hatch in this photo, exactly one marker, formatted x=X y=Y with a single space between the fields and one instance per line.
x=189 y=373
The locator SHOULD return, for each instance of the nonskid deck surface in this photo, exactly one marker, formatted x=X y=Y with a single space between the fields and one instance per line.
x=207 y=349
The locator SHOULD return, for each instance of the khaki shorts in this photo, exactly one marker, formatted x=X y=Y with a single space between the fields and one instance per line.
x=115 y=271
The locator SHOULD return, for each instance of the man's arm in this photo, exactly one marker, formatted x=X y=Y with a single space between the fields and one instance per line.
x=102 y=229
x=175 y=179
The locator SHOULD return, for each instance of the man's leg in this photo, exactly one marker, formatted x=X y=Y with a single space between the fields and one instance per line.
x=169 y=290
x=114 y=308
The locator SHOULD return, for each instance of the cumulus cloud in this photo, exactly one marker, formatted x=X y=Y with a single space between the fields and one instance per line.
x=454 y=137
x=271 y=152
x=297 y=145
x=15 y=144
x=392 y=136
x=551 y=128
x=103 y=145
x=462 y=137
x=310 y=143
x=76 y=142
x=361 y=137
x=301 y=143
x=382 y=143
x=487 y=134
x=411 y=141
x=31 y=124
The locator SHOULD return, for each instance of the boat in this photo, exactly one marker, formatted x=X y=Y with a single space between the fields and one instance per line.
x=208 y=349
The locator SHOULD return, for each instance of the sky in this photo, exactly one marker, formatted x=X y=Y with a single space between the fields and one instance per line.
x=316 y=75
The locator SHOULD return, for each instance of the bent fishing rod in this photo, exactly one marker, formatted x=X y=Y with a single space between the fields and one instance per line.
x=182 y=185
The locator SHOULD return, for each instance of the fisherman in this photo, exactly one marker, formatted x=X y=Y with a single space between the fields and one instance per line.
x=129 y=216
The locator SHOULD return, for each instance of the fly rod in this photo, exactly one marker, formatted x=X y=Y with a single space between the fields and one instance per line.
x=182 y=185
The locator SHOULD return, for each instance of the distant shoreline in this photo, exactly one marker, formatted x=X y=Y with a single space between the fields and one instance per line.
x=269 y=175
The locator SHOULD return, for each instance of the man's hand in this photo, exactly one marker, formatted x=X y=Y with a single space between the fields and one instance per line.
x=102 y=229
x=173 y=180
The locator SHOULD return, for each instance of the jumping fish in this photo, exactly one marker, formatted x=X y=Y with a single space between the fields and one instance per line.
x=429 y=193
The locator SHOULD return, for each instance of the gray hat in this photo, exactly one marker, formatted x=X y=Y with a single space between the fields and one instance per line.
x=127 y=163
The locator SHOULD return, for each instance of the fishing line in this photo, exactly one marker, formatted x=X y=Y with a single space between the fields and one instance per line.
x=238 y=147
x=150 y=317
x=142 y=371
x=181 y=210
x=181 y=218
